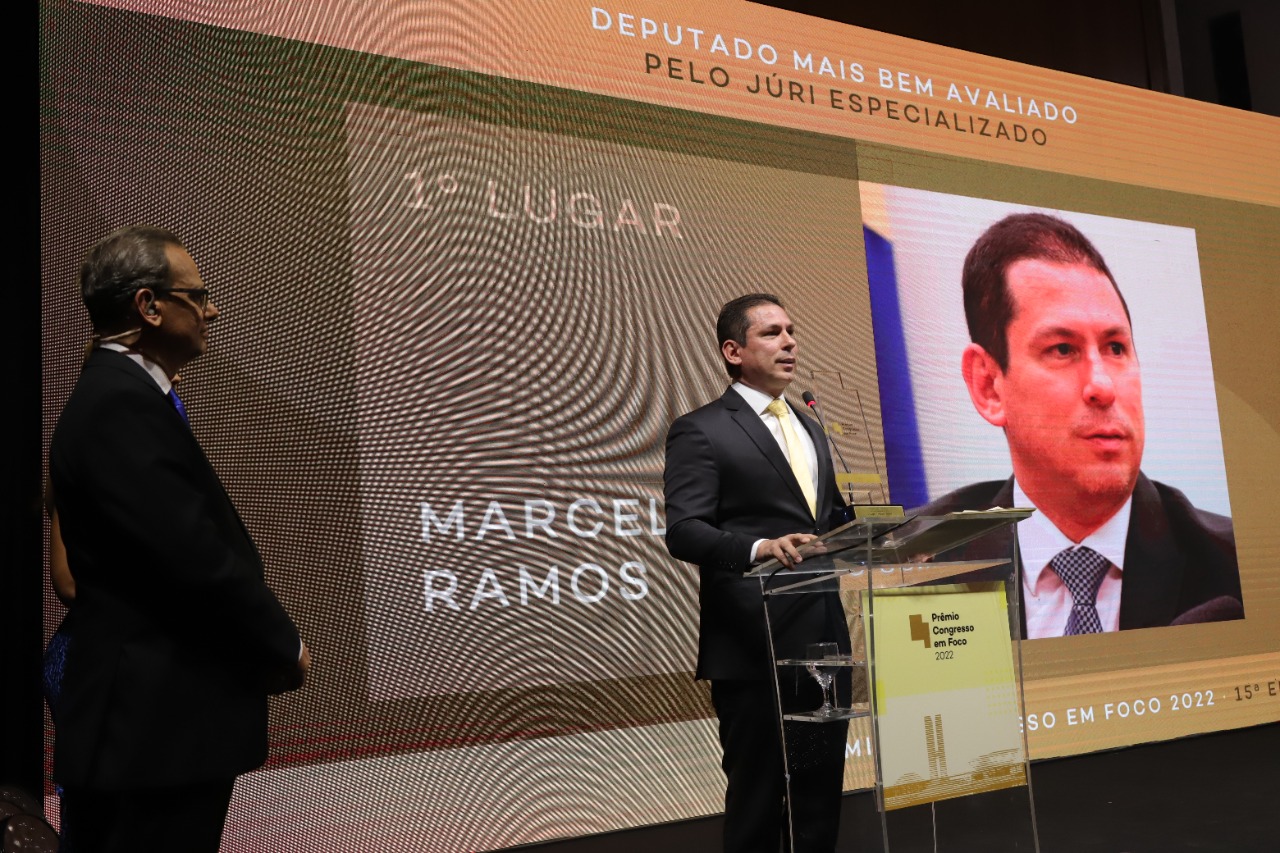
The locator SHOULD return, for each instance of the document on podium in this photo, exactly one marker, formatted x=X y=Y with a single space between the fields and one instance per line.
x=885 y=541
x=816 y=552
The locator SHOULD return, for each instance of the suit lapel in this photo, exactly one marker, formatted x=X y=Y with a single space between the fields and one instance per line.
x=126 y=366
x=764 y=441
x=1003 y=539
x=1153 y=565
x=1003 y=497
x=118 y=361
x=826 y=468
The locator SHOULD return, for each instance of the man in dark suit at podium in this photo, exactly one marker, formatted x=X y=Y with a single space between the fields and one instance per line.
x=1054 y=364
x=749 y=479
x=177 y=640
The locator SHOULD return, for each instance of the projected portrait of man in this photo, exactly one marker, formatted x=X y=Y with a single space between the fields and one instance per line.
x=1054 y=364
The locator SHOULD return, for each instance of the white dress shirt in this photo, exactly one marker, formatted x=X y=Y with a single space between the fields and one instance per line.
x=758 y=401
x=1045 y=598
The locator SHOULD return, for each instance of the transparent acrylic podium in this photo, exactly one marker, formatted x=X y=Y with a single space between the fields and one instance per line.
x=931 y=671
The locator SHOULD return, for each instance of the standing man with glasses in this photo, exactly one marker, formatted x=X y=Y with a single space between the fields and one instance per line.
x=177 y=640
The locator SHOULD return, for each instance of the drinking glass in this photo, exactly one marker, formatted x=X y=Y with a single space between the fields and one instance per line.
x=824 y=675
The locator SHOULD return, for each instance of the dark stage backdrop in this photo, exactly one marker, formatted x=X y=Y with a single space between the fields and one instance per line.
x=468 y=258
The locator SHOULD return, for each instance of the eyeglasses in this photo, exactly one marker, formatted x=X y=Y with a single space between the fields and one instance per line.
x=199 y=295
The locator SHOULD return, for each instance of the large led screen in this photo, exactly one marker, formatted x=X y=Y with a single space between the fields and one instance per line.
x=468 y=259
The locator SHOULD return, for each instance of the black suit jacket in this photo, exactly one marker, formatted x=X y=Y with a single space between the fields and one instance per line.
x=727 y=483
x=1177 y=558
x=177 y=639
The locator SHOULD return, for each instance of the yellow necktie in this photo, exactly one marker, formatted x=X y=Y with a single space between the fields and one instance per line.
x=796 y=452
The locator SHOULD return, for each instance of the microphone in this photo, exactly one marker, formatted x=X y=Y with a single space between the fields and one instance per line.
x=1224 y=608
x=812 y=402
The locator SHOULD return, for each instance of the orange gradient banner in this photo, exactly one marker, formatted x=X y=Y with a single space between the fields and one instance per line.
x=756 y=63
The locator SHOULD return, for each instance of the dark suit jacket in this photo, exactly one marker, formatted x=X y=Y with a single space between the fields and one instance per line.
x=727 y=484
x=1176 y=557
x=177 y=639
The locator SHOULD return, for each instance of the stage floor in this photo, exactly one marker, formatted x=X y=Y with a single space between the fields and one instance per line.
x=1211 y=793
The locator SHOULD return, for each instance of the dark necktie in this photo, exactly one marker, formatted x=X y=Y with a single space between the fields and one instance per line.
x=1082 y=570
x=177 y=404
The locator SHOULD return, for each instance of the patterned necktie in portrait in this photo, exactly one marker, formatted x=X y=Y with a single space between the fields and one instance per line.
x=1082 y=570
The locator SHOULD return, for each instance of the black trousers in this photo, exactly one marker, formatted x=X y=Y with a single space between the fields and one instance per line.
x=185 y=819
x=760 y=814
